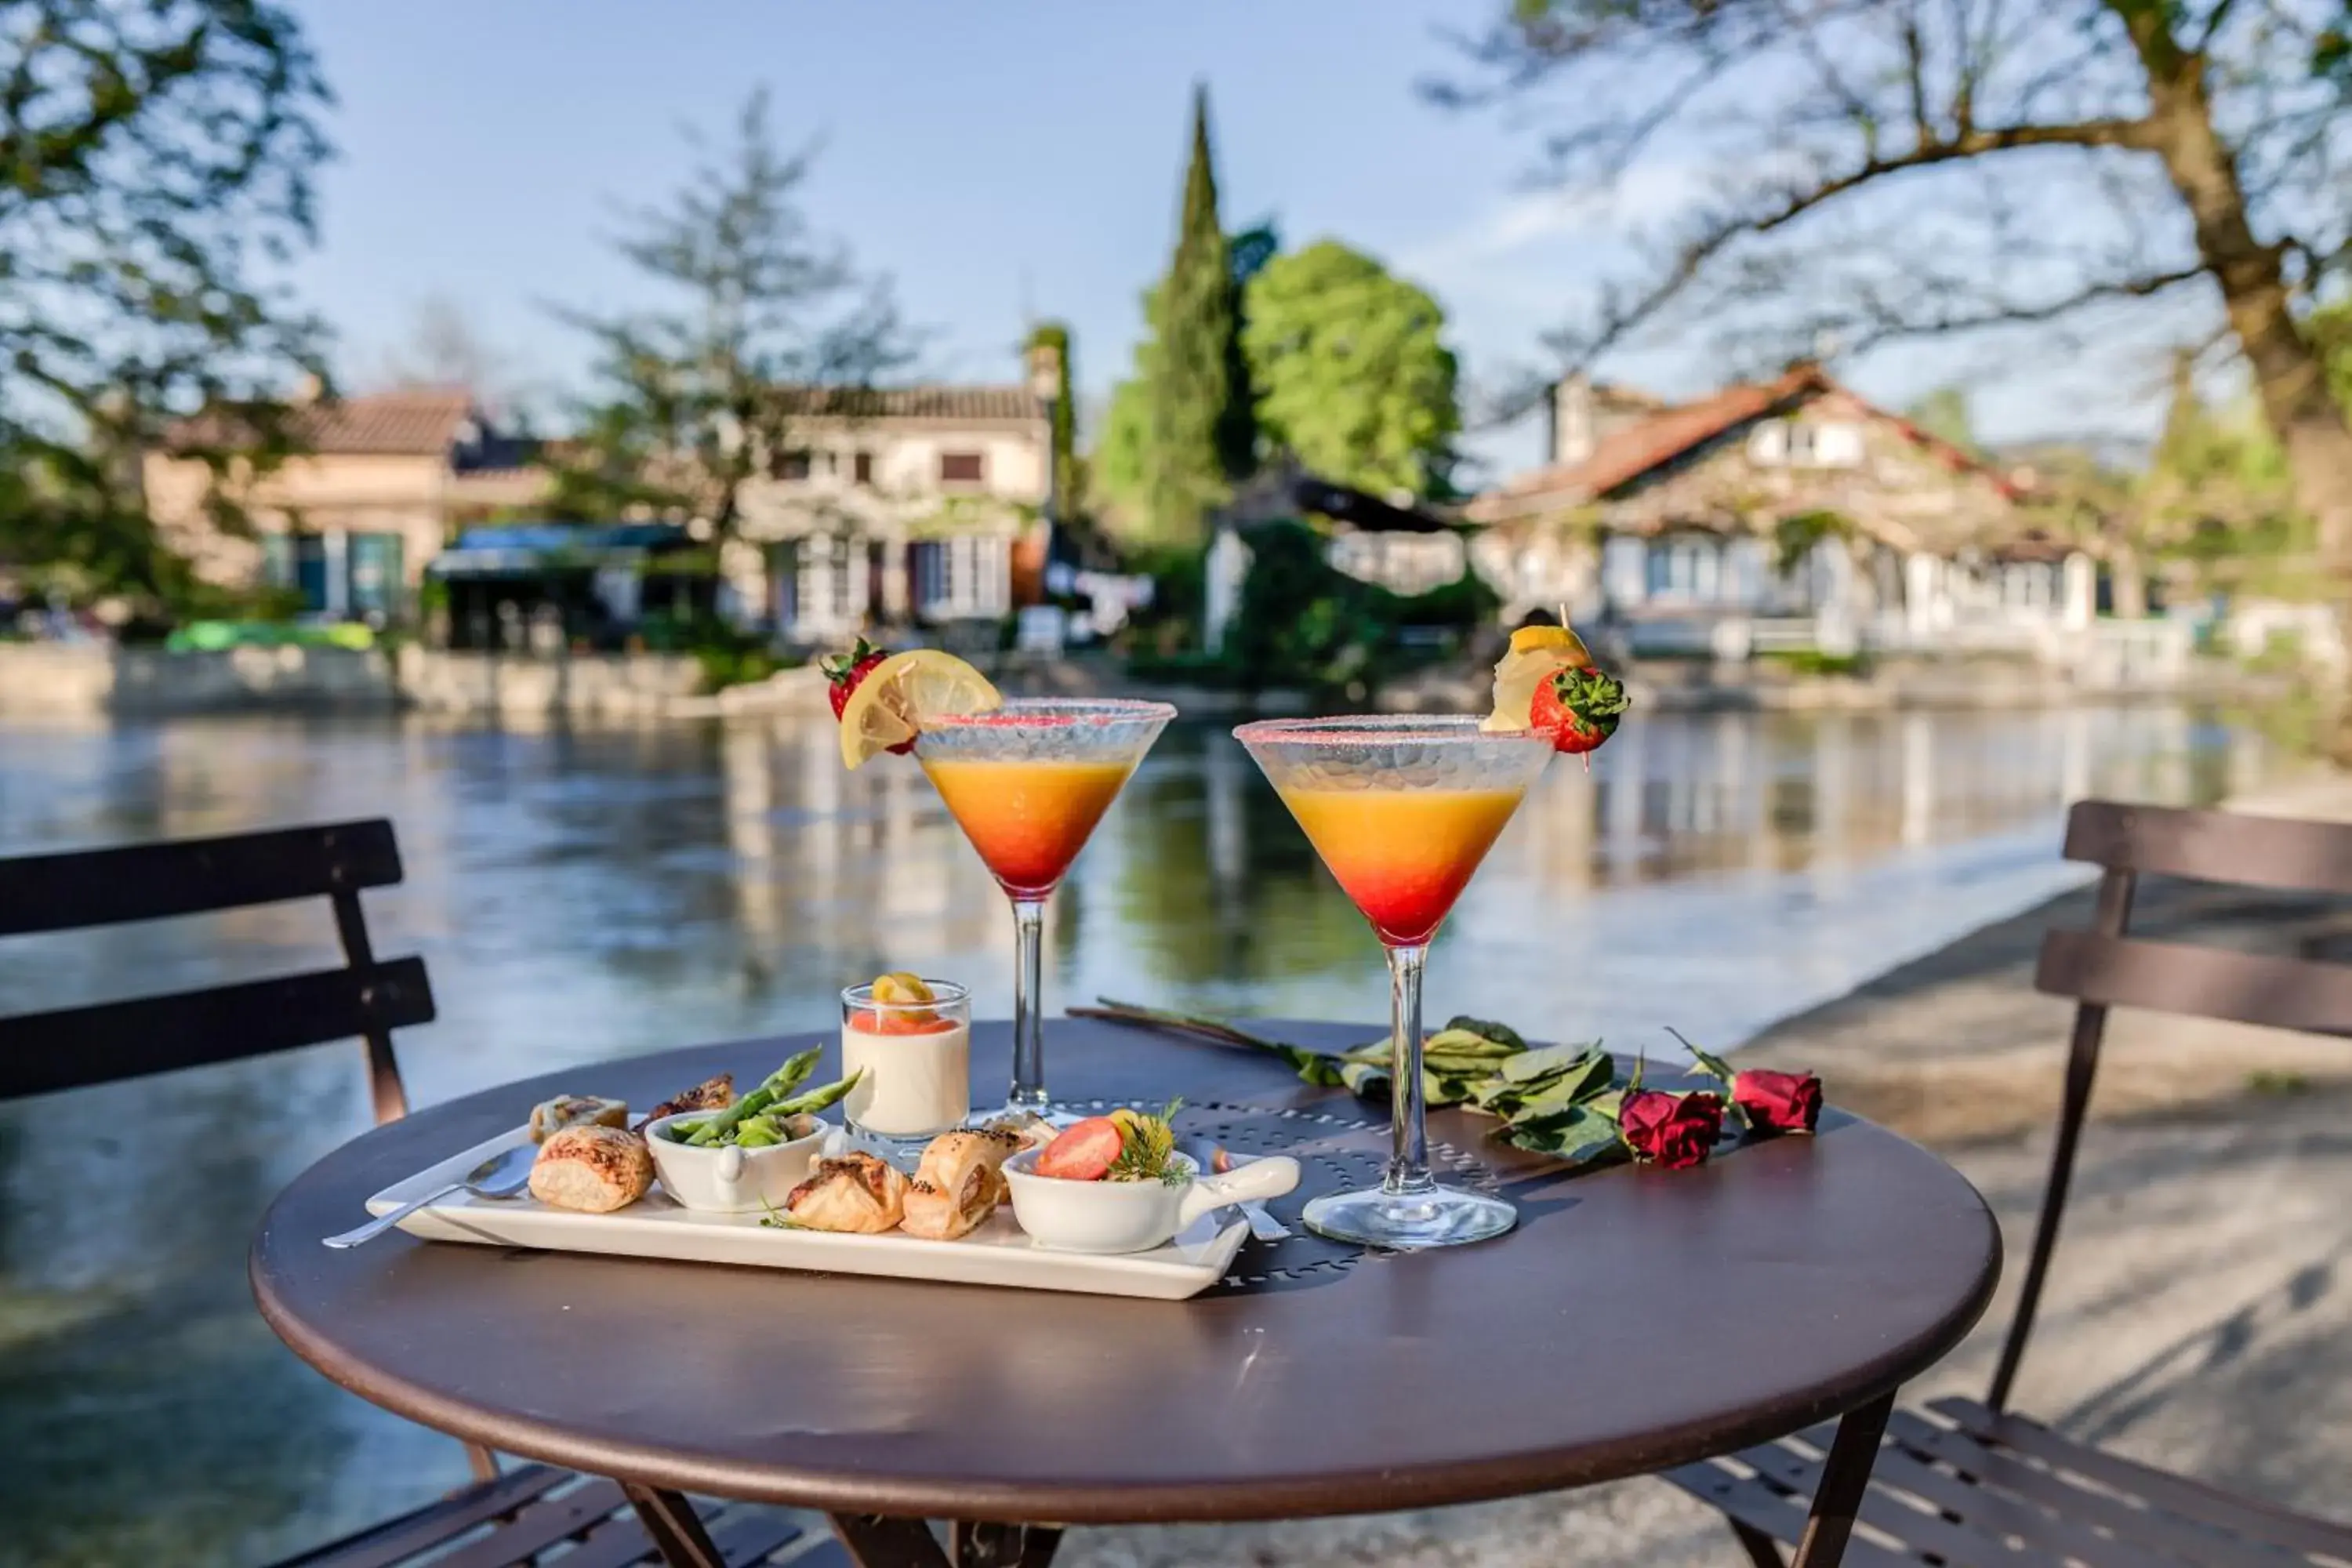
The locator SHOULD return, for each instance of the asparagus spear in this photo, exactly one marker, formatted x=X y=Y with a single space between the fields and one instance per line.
x=775 y=1086
x=817 y=1099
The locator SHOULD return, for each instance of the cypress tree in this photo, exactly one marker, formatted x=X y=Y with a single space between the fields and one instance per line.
x=1203 y=435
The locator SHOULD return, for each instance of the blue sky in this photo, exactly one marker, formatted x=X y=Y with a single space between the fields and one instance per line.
x=995 y=159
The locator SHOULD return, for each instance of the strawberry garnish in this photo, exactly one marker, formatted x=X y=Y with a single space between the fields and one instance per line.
x=845 y=671
x=1579 y=709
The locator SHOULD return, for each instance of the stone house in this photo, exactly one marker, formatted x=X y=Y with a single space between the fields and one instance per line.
x=385 y=481
x=1788 y=513
x=899 y=505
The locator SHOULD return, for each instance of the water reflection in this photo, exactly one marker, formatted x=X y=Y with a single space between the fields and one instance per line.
x=580 y=895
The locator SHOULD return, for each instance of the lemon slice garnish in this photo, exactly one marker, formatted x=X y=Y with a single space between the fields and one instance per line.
x=899 y=987
x=1534 y=640
x=1536 y=654
x=889 y=706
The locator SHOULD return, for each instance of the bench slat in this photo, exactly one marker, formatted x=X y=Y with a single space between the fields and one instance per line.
x=85 y=887
x=2212 y=846
x=41 y=1053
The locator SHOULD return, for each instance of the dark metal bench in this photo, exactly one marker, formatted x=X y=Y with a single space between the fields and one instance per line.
x=502 y=1520
x=1965 y=1482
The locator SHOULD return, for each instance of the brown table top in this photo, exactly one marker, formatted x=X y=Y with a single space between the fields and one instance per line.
x=1636 y=1320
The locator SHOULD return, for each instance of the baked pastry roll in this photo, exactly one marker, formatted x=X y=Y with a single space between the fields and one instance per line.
x=551 y=1116
x=592 y=1169
x=958 y=1183
x=1025 y=1128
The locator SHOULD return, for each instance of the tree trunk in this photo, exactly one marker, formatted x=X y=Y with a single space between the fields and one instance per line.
x=2289 y=377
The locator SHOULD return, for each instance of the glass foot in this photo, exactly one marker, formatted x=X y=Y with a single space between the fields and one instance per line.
x=1054 y=1116
x=906 y=1151
x=1410 y=1222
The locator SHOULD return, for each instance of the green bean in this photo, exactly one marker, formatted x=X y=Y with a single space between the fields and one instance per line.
x=755 y=1135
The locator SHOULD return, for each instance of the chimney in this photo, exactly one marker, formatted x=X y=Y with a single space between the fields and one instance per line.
x=1572 y=433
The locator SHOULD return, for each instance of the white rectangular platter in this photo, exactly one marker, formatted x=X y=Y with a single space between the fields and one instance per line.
x=998 y=1253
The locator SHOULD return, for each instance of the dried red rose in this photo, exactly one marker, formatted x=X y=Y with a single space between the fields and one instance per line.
x=1778 y=1101
x=1677 y=1130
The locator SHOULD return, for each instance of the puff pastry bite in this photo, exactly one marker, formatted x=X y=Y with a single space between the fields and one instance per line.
x=859 y=1193
x=710 y=1094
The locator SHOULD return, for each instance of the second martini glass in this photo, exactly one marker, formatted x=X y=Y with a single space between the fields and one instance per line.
x=1402 y=810
x=1028 y=782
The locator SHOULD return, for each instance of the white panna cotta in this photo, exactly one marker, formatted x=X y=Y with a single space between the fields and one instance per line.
x=915 y=1076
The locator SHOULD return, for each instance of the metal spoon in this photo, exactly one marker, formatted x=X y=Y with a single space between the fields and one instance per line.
x=499 y=1176
x=1210 y=1158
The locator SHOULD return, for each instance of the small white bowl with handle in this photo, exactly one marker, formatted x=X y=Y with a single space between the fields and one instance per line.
x=1068 y=1215
x=727 y=1179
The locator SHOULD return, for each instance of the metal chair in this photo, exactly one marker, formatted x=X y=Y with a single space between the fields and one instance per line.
x=502 y=1520
x=1966 y=1483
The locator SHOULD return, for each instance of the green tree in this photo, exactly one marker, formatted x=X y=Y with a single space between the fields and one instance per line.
x=1251 y=248
x=1055 y=335
x=2330 y=331
x=762 y=323
x=1117 y=469
x=1350 y=373
x=1903 y=170
x=2215 y=487
x=1944 y=414
x=1181 y=431
x=156 y=159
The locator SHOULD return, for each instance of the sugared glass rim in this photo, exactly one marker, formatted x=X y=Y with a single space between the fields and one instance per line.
x=1054 y=712
x=944 y=993
x=1380 y=729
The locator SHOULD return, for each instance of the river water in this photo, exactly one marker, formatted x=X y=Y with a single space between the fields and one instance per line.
x=584 y=894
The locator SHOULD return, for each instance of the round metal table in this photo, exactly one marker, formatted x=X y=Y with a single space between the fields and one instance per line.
x=1636 y=1320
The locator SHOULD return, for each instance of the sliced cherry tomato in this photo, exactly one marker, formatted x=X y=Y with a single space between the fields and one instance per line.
x=1083 y=1153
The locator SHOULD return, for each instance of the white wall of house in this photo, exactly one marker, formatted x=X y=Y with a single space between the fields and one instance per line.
x=1702 y=572
x=892 y=518
x=880 y=472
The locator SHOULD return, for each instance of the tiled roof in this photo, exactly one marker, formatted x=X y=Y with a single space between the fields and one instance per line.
x=1647 y=444
x=412 y=422
x=1627 y=454
x=944 y=403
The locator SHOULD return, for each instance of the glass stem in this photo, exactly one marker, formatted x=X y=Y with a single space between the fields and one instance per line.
x=1408 y=1174
x=1028 y=1018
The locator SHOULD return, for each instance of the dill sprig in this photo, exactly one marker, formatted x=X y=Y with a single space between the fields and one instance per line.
x=1147 y=1148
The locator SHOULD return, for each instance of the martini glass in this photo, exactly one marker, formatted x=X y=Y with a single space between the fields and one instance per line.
x=1402 y=810
x=1027 y=783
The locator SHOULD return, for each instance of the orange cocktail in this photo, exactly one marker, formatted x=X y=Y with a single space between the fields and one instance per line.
x=1402 y=810
x=1028 y=819
x=1026 y=781
x=1403 y=855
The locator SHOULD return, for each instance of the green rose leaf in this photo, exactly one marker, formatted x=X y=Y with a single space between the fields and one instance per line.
x=1500 y=1034
x=1576 y=1060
